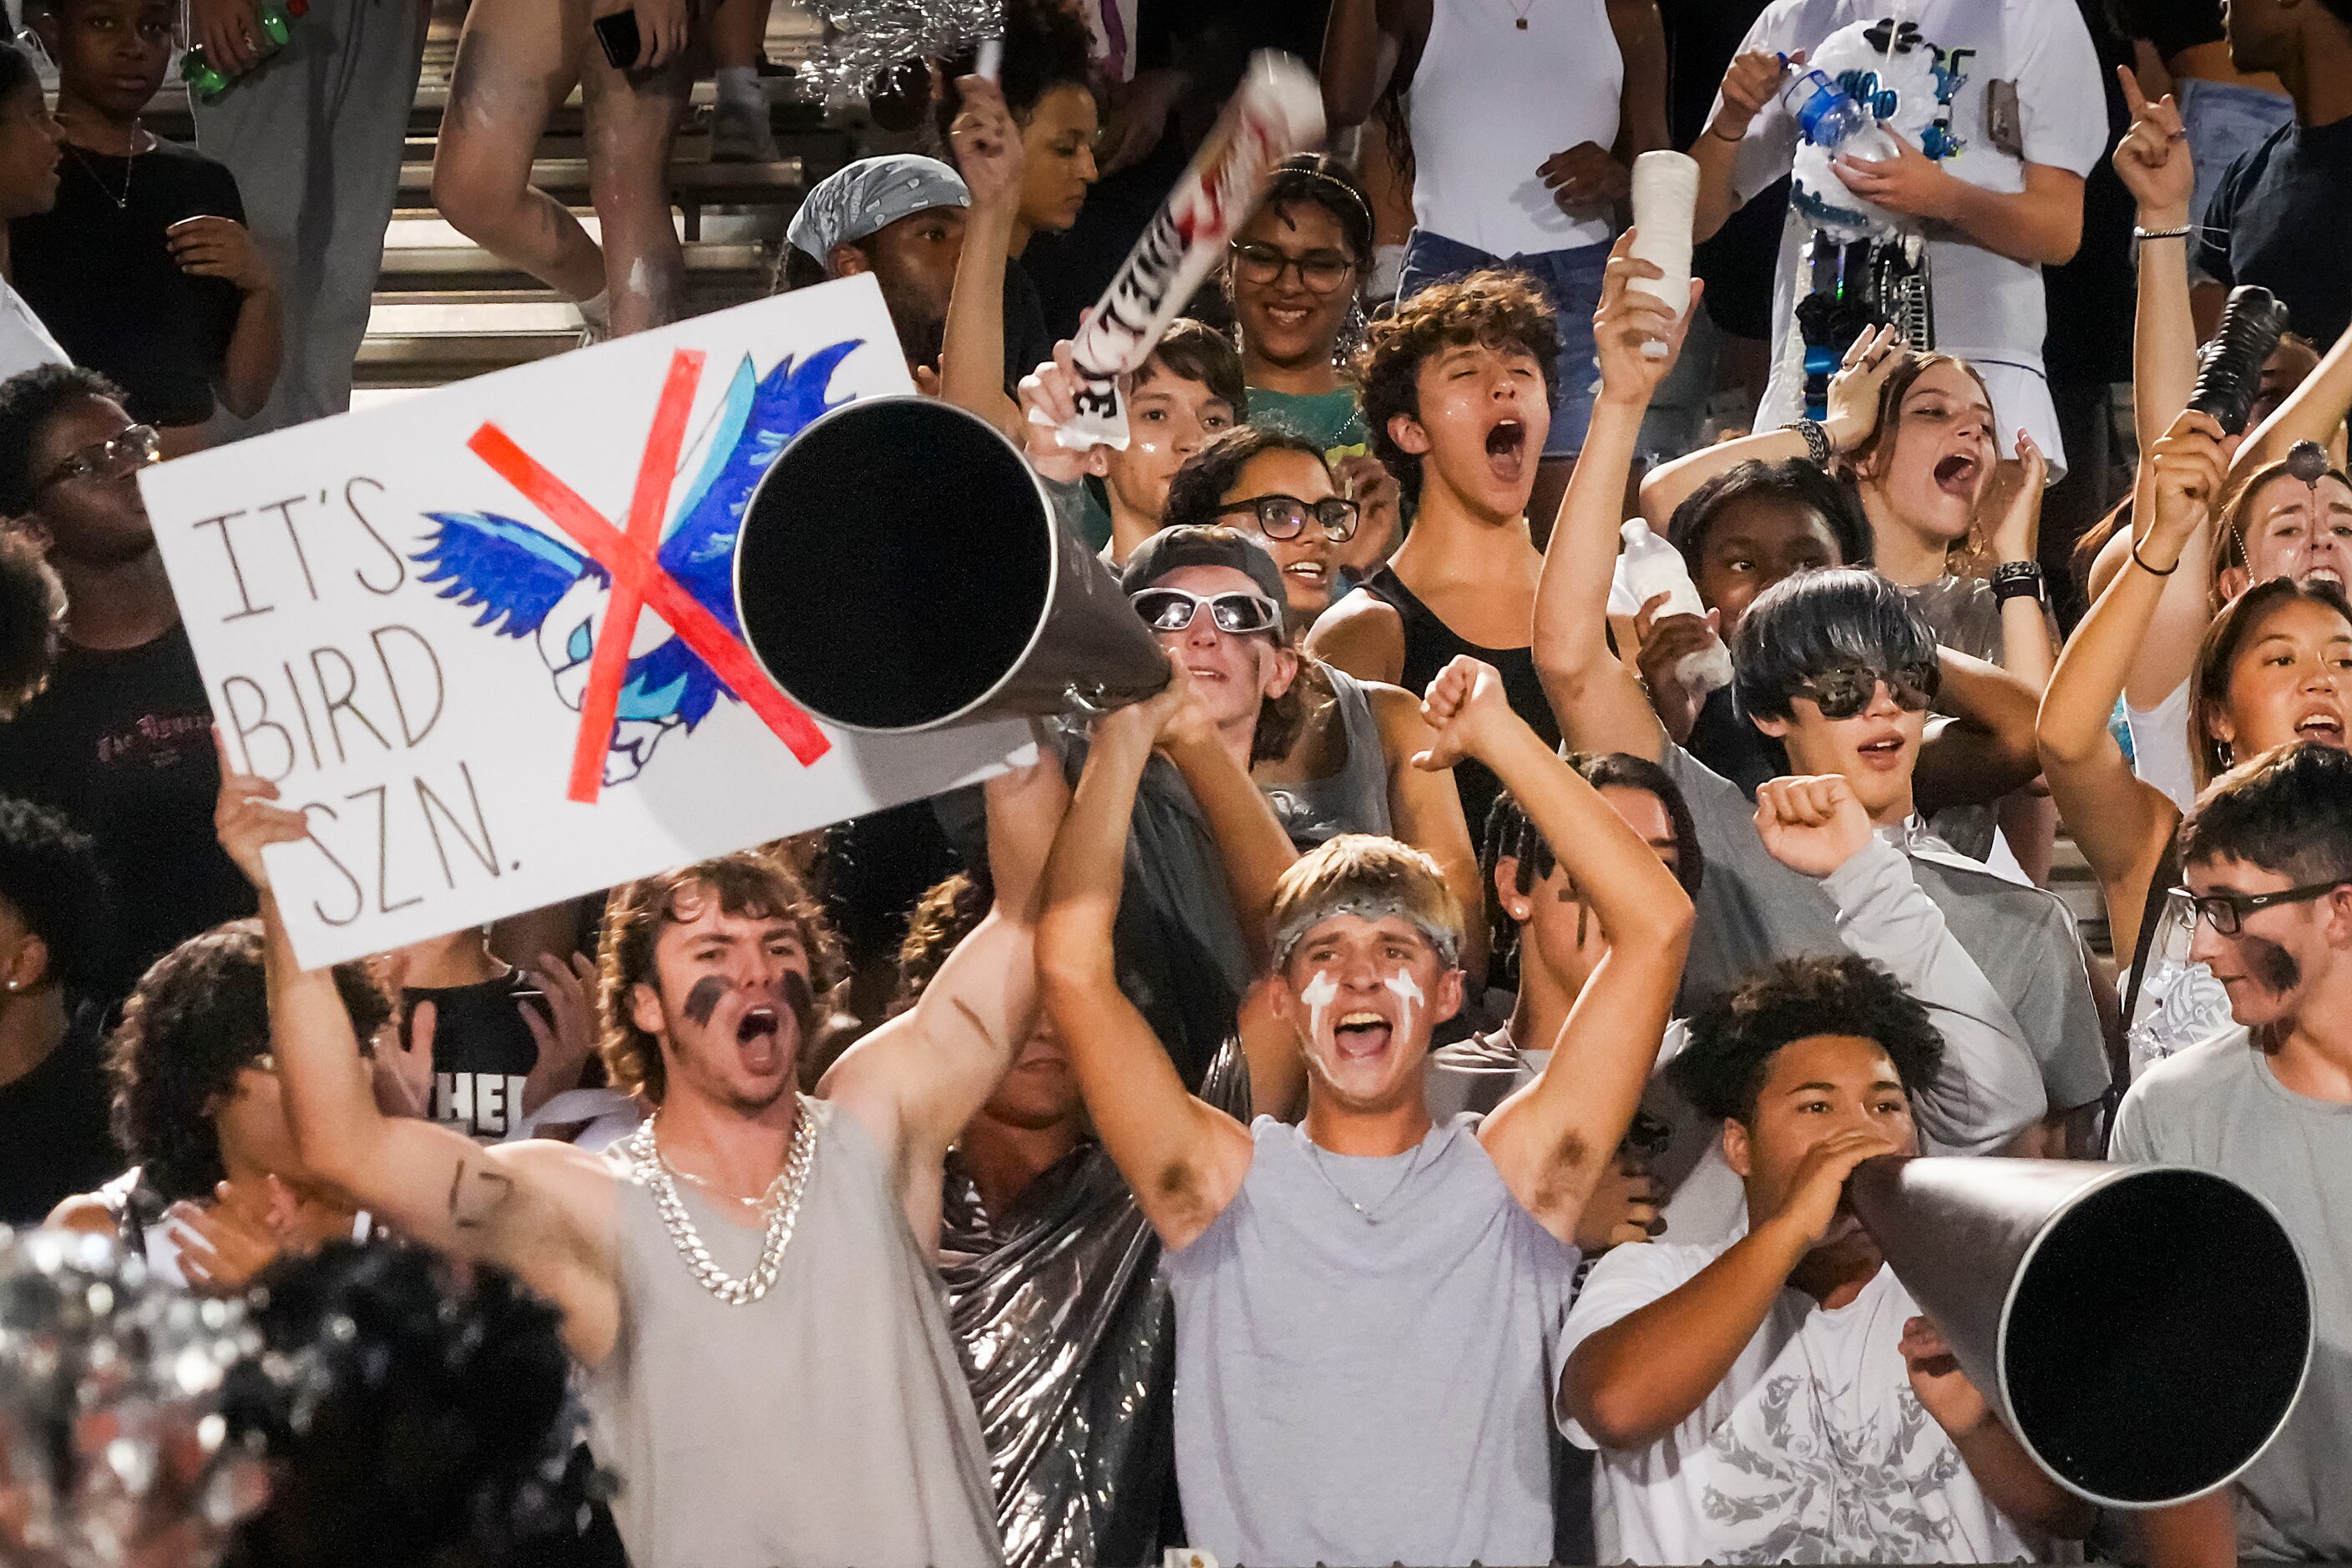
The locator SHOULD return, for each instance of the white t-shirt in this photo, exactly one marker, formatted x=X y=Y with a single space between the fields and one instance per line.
x=1813 y=1449
x=25 y=342
x=1988 y=309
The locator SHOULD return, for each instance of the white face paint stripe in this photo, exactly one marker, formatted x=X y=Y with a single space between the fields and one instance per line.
x=1318 y=993
x=1408 y=993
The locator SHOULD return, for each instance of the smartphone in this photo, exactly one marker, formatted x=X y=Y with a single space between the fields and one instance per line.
x=618 y=34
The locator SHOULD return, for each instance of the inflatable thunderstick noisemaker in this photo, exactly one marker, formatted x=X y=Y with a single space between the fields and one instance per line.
x=2143 y=1330
x=1278 y=110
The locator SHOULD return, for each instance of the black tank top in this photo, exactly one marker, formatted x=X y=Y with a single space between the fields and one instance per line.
x=1430 y=644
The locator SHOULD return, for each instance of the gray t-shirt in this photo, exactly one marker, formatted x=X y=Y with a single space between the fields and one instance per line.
x=1752 y=909
x=1375 y=1387
x=2219 y=1107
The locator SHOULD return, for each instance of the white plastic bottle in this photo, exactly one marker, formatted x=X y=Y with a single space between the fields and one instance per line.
x=1651 y=566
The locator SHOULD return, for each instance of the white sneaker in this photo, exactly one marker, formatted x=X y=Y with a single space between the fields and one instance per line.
x=739 y=132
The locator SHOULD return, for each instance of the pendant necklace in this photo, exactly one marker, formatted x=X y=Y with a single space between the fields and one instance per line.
x=121 y=199
x=781 y=1200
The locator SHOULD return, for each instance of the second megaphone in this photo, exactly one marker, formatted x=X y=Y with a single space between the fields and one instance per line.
x=900 y=568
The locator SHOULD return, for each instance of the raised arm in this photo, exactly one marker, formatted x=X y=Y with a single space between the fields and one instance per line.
x=914 y=1081
x=1426 y=811
x=1251 y=843
x=1986 y=749
x=1990 y=1088
x=1850 y=416
x=1599 y=704
x=1748 y=88
x=2313 y=411
x=1635 y=1381
x=972 y=355
x=2152 y=160
x=1552 y=1140
x=541 y=1209
x=2121 y=823
x=2026 y=650
x=1182 y=1158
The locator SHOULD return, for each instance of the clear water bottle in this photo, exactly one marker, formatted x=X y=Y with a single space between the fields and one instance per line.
x=1651 y=566
x=1831 y=118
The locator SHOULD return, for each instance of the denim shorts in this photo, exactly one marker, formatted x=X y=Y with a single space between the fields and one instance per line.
x=1571 y=280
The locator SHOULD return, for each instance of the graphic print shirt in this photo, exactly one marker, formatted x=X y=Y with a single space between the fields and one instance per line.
x=1813 y=1449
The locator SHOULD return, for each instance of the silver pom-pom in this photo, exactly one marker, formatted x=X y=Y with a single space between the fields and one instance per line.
x=111 y=1429
x=866 y=39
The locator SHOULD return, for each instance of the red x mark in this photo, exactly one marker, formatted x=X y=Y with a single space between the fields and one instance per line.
x=638 y=581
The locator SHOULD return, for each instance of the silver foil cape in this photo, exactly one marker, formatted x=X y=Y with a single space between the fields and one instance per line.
x=1066 y=1334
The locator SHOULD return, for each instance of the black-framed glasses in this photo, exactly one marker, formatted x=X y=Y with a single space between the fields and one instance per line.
x=1236 y=615
x=1284 y=516
x=2226 y=912
x=1321 y=270
x=1842 y=693
x=134 y=446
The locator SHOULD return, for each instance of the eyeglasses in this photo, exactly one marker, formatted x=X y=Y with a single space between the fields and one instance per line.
x=1236 y=615
x=135 y=447
x=1284 y=516
x=1321 y=270
x=1842 y=693
x=2227 y=912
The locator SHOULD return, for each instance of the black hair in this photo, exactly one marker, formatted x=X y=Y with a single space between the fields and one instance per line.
x=199 y=1016
x=32 y=620
x=796 y=269
x=1816 y=621
x=29 y=400
x=2287 y=811
x=1327 y=183
x=49 y=875
x=1794 y=481
x=1198 y=488
x=1734 y=1038
x=17 y=71
x=1046 y=46
x=422 y=1414
x=1510 y=836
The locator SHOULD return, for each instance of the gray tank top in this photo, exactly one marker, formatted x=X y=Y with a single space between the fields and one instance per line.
x=1356 y=798
x=826 y=1423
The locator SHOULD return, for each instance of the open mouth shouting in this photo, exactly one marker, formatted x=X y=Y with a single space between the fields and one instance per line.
x=1957 y=474
x=1360 y=1035
x=758 y=1035
x=1506 y=449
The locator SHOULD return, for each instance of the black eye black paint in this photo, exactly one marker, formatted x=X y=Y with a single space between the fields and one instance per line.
x=800 y=997
x=703 y=1000
x=2272 y=964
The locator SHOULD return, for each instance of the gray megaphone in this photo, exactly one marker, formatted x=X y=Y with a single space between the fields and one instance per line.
x=2143 y=1330
x=900 y=567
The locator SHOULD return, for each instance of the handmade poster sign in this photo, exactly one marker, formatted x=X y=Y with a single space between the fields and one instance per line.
x=486 y=639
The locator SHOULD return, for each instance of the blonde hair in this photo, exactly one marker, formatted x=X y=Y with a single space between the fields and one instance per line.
x=1372 y=876
x=749 y=883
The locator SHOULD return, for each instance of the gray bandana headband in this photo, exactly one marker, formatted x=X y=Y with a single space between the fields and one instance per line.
x=869 y=195
x=1371 y=907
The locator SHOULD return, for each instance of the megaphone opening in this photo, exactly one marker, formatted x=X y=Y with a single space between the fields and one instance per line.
x=894 y=565
x=2142 y=1374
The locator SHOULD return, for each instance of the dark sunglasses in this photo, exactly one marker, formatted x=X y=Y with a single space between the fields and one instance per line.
x=2227 y=912
x=1284 y=516
x=135 y=446
x=1236 y=615
x=1844 y=692
x=1321 y=270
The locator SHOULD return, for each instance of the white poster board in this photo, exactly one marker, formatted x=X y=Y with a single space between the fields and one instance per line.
x=401 y=614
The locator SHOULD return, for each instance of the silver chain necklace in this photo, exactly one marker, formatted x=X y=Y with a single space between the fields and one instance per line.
x=783 y=1202
x=1369 y=1216
x=121 y=199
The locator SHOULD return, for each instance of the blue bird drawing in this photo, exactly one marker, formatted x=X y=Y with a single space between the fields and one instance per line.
x=530 y=584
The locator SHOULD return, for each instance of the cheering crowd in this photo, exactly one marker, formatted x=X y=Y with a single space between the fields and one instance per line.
x=1391 y=1095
